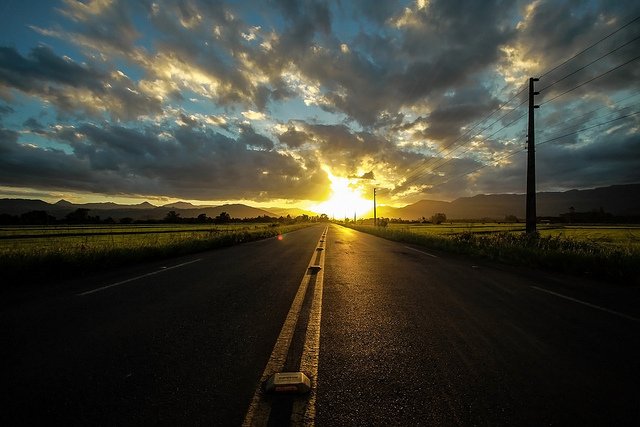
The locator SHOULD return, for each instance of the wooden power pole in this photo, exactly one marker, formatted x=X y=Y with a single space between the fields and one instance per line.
x=531 y=163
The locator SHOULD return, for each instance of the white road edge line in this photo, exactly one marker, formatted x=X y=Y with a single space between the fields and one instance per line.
x=422 y=252
x=260 y=409
x=137 y=278
x=597 y=307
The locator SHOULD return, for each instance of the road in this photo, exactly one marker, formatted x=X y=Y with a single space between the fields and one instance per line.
x=391 y=335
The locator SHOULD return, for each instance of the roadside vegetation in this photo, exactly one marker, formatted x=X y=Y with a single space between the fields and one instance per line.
x=608 y=252
x=48 y=252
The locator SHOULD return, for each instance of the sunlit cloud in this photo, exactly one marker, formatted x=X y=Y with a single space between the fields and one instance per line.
x=266 y=101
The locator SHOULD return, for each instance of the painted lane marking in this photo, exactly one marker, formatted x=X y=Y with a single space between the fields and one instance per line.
x=162 y=270
x=422 y=252
x=260 y=409
x=304 y=412
x=597 y=307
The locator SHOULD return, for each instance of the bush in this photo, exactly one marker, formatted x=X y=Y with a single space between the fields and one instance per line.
x=552 y=253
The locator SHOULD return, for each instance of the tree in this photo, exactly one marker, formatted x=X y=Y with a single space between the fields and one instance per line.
x=202 y=218
x=37 y=217
x=511 y=218
x=438 y=218
x=79 y=216
x=172 y=217
x=223 y=218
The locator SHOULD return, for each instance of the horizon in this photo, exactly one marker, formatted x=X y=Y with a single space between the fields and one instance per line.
x=311 y=106
x=365 y=214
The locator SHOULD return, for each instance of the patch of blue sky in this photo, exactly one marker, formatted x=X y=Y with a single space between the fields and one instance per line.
x=17 y=17
x=348 y=23
x=296 y=109
x=25 y=107
x=43 y=142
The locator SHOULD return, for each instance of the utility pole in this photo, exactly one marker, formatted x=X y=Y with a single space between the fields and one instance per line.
x=531 y=162
x=375 y=218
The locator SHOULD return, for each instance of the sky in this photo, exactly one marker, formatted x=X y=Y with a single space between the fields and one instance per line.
x=312 y=104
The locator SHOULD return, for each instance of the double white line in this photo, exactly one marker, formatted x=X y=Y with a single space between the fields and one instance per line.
x=303 y=412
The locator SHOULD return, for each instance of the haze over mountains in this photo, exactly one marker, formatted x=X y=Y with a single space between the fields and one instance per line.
x=619 y=200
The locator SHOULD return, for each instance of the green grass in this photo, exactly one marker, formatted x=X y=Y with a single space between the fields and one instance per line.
x=33 y=252
x=609 y=253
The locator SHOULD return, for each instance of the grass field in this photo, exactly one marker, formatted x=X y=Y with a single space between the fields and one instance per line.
x=609 y=235
x=72 y=250
x=607 y=252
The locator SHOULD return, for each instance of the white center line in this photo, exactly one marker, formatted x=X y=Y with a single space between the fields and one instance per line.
x=162 y=270
x=422 y=252
x=304 y=412
x=597 y=307
x=260 y=409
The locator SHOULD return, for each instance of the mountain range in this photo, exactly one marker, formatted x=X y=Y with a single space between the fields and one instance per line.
x=619 y=200
x=142 y=211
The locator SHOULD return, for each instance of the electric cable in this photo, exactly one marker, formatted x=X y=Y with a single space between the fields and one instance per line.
x=589 y=47
x=589 y=64
x=590 y=80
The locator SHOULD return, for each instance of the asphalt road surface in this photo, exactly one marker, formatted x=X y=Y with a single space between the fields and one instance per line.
x=389 y=335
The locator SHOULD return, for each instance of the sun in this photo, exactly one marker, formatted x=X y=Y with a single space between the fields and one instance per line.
x=345 y=201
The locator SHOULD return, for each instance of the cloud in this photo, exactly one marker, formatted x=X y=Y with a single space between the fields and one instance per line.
x=366 y=175
x=253 y=115
x=72 y=87
x=184 y=162
x=233 y=99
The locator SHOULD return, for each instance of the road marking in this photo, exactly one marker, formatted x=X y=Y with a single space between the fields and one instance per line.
x=260 y=409
x=162 y=270
x=422 y=252
x=304 y=413
x=597 y=307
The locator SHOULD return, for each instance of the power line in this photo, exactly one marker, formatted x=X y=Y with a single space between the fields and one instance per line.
x=426 y=163
x=588 y=128
x=616 y=101
x=590 y=80
x=589 y=47
x=419 y=170
x=513 y=153
x=589 y=64
x=611 y=113
x=411 y=181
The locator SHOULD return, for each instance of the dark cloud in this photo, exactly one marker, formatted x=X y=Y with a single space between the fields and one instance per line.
x=42 y=66
x=62 y=81
x=5 y=110
x=366 y=175
x=188 y=163
x=569 y=27
x=253 y=140
x=405 y=81
x=294 y=138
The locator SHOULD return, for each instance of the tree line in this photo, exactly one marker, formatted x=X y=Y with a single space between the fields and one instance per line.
x=83 y=216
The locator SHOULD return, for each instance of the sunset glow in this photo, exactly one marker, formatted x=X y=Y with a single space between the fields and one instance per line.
x=251 y=102
x=346 y=200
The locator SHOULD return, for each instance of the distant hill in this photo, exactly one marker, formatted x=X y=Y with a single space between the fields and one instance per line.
x=185 y=205
x=20 y=206
x=620 y=200
x=294 y=212
x=142 y=211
